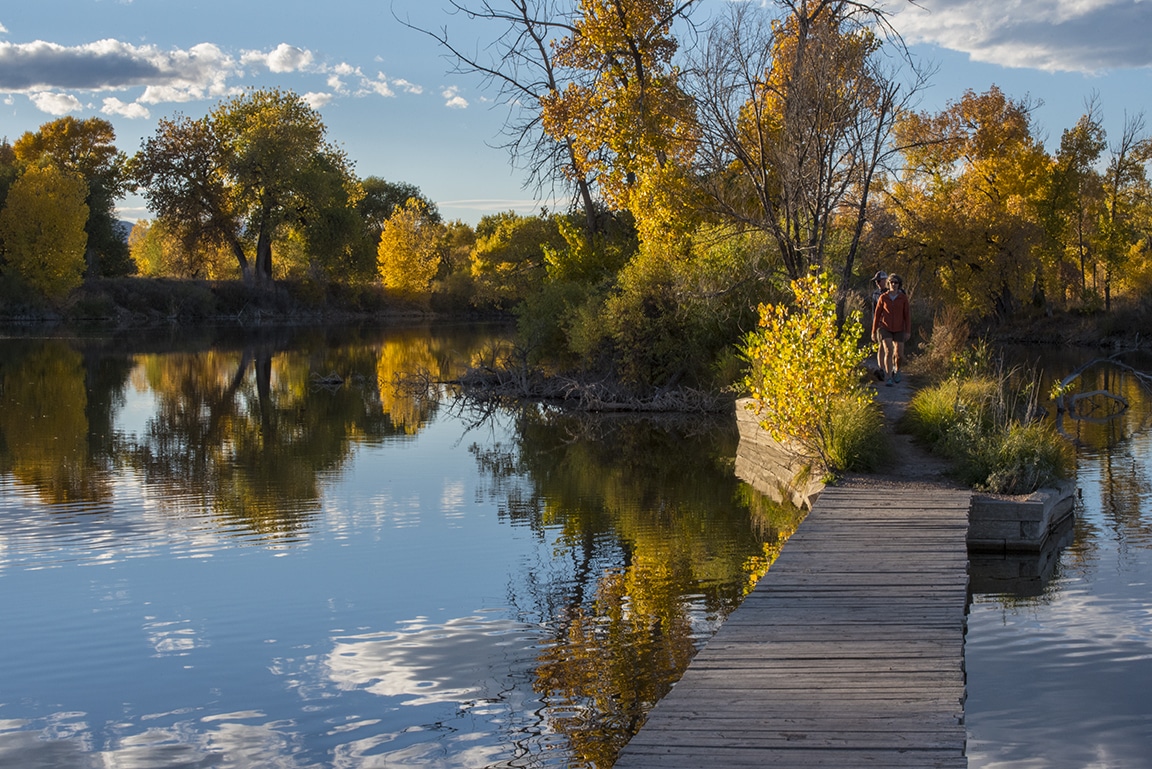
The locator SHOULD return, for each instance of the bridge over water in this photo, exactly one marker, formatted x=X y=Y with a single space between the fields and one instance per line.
x=848 y=653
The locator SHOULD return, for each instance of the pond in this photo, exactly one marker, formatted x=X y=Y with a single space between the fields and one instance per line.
x=1059 y=664
x=255 y=550
x=239 y=549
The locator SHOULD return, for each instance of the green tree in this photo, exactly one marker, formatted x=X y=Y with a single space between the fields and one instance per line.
x=181 y=171
x=409 y=256
x=86 y=147
x=42 y=228
x=382 y=198
x=254 y=170
x=508 y=260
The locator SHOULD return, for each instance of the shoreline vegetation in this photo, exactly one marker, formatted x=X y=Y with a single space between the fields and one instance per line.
x=717 y=238
x=126 y=305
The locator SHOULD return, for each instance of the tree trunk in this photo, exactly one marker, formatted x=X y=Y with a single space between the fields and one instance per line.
x=242 y=260
x=264 y=259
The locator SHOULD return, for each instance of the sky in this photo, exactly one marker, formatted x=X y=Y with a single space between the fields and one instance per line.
x=389 y=98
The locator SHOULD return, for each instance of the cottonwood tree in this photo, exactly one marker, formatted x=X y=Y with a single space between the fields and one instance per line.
x=182 y=174
x=630 y=125
x=42 y=229
x=409 y=256
x=968 y=202
x=797 y=112
x=257 y=167
x=520 y=65
x=1127 y=194
x=508 y=259
x=1074 y=205
x=87 y=148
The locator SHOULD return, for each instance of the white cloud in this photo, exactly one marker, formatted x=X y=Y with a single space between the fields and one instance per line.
x=3 y=30
x=56 y=103
x=1050 y=35
x=408 y=87
x=378 y=86
x=316 y=100
x=453 y=99
x=284 y=58
x=46 y=71
x=113 y=65
x=113 y=106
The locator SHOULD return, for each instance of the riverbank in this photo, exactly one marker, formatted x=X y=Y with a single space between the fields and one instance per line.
x=131 y=303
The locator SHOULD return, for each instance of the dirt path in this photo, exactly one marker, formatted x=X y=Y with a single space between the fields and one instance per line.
x=911 y=463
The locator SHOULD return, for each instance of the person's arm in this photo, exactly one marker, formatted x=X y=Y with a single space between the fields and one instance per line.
x=907 y=315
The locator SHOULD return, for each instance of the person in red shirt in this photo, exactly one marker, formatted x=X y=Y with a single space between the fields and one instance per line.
x=892 y=326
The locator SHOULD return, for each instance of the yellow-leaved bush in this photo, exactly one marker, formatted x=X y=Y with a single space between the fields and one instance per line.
x=805 y=370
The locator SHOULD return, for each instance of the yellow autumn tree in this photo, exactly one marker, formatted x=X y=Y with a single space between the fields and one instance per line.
x=805 y=372
x=408 y=256
x=800 y=109
x=967 y=203
x=42 y=229
x=629 y=124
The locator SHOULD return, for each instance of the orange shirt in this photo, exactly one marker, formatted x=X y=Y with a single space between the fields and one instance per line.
x=893 y=313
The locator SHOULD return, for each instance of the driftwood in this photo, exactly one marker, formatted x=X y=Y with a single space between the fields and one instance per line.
x=1071 y=403
x=486 y=385
x=592 y=396
x=332 y=381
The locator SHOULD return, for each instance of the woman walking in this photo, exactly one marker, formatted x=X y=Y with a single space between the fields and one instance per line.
x=891 y=327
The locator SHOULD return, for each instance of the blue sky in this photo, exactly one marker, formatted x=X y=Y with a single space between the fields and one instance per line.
x=387 y=96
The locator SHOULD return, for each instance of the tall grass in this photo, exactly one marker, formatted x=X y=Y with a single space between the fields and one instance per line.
x=982 y=425
x=856 y=440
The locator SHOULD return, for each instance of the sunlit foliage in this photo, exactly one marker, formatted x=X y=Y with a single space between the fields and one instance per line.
x=408 y=257
x=42 y=229
x=87 y=148
x=258 y=167
x=968 y=205
x=803 y=367
x=630 y=125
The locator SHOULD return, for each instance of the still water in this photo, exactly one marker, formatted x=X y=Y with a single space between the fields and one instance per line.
x=255 y=551
x=1060 y=665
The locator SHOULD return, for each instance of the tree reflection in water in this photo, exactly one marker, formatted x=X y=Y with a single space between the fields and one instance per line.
x=648 y=539
x=660 y=543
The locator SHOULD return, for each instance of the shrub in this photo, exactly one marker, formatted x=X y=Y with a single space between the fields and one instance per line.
x=978 y=425
x=1029 y=457
x=804 y=371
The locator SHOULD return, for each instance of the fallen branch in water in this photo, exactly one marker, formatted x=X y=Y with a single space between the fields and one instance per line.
x=487 y=384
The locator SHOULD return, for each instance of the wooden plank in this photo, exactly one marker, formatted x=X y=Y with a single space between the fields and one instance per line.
x=848 y=653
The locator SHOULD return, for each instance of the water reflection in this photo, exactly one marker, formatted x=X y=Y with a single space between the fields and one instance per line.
x=1059 y=672
x=651 y=554
x=261 y=552
x=245 y=432
x=222 y=740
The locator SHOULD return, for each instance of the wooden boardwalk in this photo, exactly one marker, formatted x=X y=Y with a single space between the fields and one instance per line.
x=848 y=653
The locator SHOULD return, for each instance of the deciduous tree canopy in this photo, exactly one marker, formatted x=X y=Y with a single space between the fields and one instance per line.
x=42 y=229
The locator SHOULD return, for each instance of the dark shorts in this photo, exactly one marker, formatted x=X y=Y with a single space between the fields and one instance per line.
x=892 y=336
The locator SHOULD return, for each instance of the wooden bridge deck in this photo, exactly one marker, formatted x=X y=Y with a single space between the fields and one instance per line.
x=848 y=653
